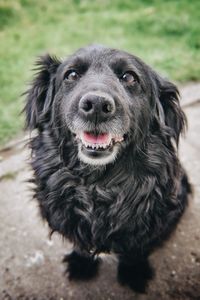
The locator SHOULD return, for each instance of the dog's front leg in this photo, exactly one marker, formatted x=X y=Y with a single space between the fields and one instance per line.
x=134 y=272
x=81 y=265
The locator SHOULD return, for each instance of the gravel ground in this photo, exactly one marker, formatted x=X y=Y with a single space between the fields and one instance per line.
x=31 y=267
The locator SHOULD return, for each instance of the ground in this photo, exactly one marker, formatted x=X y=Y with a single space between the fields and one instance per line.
x=30 y=262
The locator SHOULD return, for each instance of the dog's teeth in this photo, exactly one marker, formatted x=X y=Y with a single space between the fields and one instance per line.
x=111 y=141
x=94 y=146
x=86 y=144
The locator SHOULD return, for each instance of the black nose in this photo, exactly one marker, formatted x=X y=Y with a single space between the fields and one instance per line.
x=97 y=107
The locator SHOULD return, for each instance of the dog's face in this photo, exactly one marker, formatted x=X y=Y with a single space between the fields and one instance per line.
x=105 y=98
x=103 y=94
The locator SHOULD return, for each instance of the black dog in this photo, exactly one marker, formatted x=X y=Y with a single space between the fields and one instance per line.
x=105 y=159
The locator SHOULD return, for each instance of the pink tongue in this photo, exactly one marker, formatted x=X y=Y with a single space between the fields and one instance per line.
x=96 y=139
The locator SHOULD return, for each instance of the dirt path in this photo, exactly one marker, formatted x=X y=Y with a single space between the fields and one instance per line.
x=31 y=265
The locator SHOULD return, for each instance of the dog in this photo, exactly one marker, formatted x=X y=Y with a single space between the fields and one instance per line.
x=106 y=170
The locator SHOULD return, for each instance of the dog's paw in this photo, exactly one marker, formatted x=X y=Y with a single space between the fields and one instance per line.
x=135 y=276
x=81 y=267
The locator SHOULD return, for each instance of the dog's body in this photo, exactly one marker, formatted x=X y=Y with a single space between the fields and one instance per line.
x=105 y=159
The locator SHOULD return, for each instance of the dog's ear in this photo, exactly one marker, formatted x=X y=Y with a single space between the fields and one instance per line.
x=41 y=92
x=168 y=108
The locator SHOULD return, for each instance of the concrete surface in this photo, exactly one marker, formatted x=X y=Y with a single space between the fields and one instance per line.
x=30 y=263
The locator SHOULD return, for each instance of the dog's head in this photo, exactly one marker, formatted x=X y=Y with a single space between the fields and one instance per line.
x=106 y=99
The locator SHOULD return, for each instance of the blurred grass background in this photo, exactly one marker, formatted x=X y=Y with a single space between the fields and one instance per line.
x=163 y=33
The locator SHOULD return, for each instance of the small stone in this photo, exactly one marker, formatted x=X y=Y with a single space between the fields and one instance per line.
x=49 y=243
x=173 y=273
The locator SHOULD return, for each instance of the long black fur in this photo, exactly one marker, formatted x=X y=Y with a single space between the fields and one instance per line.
x=128 y=207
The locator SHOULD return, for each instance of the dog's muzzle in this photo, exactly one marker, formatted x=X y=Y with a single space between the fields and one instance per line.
x=97 y=147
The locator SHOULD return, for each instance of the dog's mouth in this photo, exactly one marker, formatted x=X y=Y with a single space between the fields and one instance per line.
x=98 y=148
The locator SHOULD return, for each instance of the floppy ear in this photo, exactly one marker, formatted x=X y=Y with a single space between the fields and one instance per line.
x=41 y=93
x=169 y=110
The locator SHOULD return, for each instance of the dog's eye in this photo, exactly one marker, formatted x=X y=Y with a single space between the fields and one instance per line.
x=128 y=77
x=72 y=75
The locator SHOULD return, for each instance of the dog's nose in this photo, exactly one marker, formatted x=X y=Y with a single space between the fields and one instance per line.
x=97 y=107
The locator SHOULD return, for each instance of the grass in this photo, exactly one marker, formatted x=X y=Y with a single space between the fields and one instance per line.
x=164 y=33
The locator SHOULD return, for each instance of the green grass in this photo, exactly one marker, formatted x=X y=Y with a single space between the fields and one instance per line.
x=163 y=33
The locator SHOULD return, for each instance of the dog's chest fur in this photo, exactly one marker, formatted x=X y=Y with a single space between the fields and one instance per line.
x=105 y=210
